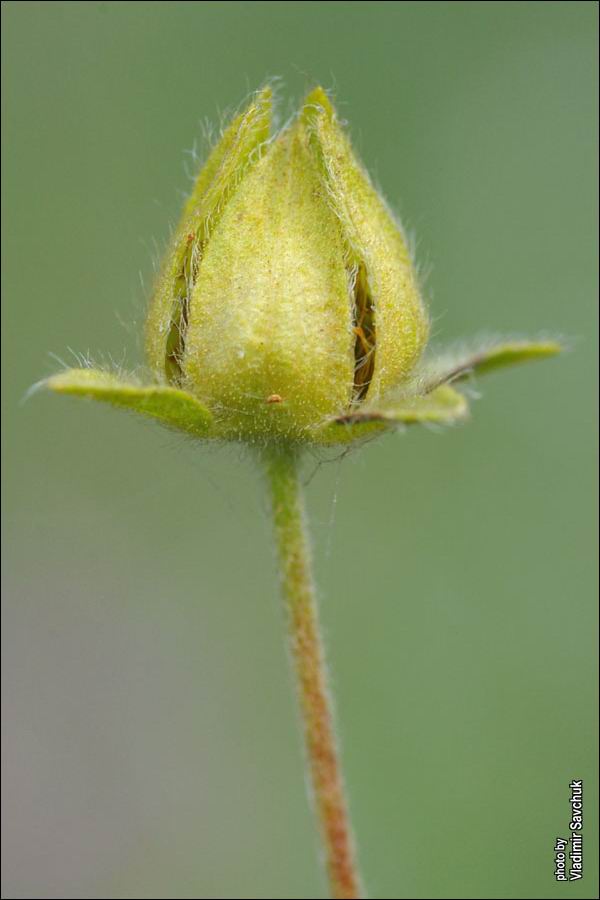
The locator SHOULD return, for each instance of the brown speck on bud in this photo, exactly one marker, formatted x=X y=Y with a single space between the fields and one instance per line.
x=274 y=398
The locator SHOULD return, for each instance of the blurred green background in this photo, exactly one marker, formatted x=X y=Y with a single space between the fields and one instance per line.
x=151 y=743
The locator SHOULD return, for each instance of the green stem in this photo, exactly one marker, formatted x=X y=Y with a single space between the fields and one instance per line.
x=307 y=650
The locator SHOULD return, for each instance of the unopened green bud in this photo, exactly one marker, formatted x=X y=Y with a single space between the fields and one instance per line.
x=288 y=308
x=288 y=295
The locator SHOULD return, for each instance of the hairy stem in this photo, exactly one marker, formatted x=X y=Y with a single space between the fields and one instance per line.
x=309 y=663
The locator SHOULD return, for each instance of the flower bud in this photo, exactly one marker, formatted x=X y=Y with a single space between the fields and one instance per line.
x=288 y=296
x=288 y=308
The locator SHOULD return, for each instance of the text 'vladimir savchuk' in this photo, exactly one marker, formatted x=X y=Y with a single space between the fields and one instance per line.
x=568 y=852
